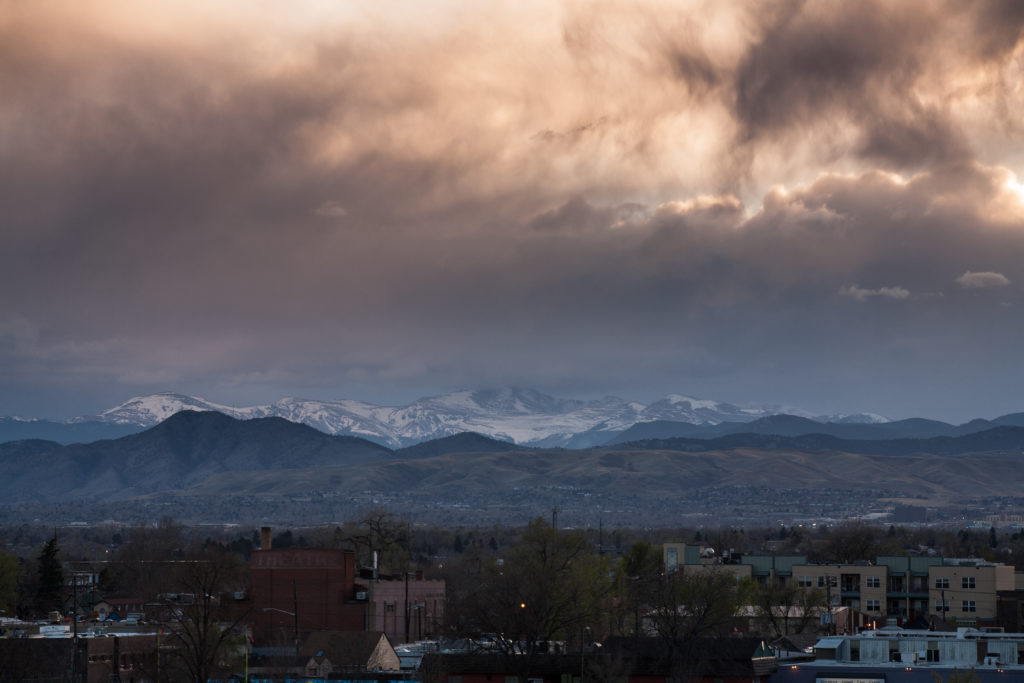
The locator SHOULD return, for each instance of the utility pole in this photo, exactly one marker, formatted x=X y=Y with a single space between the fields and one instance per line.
x=583 y=651
x=116 y=661
x=295 y=612
x=74 y=626
x=828 y=599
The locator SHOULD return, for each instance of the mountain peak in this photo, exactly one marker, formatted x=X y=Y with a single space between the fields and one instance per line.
x=150 y=410
x=512 y=414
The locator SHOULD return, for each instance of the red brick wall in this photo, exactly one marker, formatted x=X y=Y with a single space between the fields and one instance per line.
x=387 y=602
x=318 y=585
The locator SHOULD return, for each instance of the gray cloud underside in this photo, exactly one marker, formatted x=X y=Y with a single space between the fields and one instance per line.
x=626 y=200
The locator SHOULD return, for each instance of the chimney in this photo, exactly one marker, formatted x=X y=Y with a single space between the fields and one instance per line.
x=265 y=537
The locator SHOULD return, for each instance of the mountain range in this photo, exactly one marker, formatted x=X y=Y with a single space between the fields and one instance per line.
x=792 y=425
x=207 y=458
x=514 y=415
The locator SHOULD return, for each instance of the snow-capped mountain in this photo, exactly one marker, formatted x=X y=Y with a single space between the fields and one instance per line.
x=698 y=411
x=147 y=411
x=522 y=416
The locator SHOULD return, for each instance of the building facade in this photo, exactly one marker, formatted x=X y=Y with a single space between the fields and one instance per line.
x=299 y=590
x=405 y=607
x=957 y=591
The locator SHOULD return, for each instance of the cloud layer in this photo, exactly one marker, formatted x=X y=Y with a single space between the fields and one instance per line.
x=813 y=203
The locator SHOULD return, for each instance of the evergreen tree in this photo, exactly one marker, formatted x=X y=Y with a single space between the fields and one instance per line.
x=49 y=593
x=9 y=570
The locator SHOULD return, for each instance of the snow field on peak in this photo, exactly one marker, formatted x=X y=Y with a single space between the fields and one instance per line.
x=523 y=416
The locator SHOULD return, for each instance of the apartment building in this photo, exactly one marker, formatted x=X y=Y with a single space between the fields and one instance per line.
x=861 y=587
x=965 y=591
x=961 y=592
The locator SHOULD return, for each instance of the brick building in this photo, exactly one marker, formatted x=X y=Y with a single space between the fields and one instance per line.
x=296 y=591
x=406 y=607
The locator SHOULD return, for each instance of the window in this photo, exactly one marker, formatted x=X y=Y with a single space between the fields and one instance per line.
x=873 y=605
x=967 y=582
x=942 y=605
x=968 y=606
x=824 y=581
x=873 y=581
x=942 y=582
x=805 y=582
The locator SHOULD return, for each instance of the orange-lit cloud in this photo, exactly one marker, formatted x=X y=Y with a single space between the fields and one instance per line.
x=591 y=197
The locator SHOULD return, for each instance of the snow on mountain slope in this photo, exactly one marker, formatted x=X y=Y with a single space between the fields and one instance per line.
x=854 y=418
x=147 y=411
x=523 y=416
x=698 y=411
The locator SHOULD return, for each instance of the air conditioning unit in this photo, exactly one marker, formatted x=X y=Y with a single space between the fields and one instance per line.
x=361 y=595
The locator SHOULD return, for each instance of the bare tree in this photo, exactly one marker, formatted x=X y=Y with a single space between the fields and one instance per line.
x=380 y=531
x=688 y=607
x=850 y=543
x=638 y=574
x=787 y=609
x=548 y=590
x=202 y=624
x=141 y=566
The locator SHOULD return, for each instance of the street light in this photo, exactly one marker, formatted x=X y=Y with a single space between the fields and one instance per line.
x=291 y=614
x=583 y=649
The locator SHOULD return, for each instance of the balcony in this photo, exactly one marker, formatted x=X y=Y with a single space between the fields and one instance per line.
x=916 y=590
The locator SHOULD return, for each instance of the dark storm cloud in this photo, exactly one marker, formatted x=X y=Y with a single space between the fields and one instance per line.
x=865 y=65
x=609 y=198
x=998 y=26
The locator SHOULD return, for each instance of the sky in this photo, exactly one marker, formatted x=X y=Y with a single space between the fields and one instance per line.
x=815 y=204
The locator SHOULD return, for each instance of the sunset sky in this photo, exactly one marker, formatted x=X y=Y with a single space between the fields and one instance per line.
x=813 y=204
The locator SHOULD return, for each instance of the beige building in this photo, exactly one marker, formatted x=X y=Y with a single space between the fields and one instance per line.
x=965 y=590
x=962 y=592
x=858 y=586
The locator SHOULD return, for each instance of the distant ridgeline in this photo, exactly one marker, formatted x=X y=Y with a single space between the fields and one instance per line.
x=196 y=455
